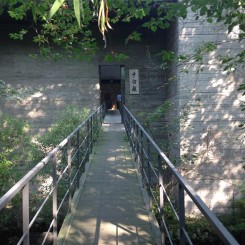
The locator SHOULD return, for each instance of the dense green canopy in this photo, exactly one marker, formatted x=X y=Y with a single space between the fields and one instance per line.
x=68 y=23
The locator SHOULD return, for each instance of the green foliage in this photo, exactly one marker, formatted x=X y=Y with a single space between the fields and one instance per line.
x=242 y=125
x=18 y=36
x=135 y=36
x=242 y=88
x=9 y=93
x=240 y=204
x=158 y=114
x=166 y=138
x=167 y=58
x=197 y=57
x=15 y=148
x=198 y=228
x=68 y=23
x=66 y=121
x=114 y=57
x=205 y=48
x=235 y=222
x=6 y=92
x=18 y=154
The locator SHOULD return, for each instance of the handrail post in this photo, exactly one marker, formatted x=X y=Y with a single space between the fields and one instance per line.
x=87 y=141
x=148 y=161
x=182 y=215
x=137 y=144
x=101 y=114
x=69 y=173
x=122 y=112
x=134 y=137
x=91 y=133
x=104 y=110
x=78 y=159
x=161 y=195
x=26 y=213
x=142 y=164
x=130 y=131
x=55 y=202
x=148 y=170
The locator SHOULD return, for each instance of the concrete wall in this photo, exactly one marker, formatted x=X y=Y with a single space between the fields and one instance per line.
x=209 y=103
x=60 y=83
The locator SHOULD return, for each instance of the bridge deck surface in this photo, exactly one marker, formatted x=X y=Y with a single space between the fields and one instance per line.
x=110 y=207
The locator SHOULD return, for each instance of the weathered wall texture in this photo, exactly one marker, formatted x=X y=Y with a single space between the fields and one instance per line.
x=55 y=84
x=64 y=82
x=210 y=114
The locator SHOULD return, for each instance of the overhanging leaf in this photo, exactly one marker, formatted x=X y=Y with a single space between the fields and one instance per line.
x=81 y=8
x=101 y=17
x=77 y=11
x=55 y=7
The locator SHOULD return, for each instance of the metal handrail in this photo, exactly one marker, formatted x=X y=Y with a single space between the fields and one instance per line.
x=76 y=157
x=143 y=147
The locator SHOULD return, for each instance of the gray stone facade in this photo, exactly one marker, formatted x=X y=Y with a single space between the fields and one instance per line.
x=210 y=146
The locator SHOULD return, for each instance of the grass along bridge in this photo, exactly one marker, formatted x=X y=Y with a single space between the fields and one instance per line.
x=108 y=189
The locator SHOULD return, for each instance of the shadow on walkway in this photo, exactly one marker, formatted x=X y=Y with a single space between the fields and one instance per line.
x=110 y=208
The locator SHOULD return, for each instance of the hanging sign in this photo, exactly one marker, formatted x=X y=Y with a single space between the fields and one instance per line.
x=134 y=81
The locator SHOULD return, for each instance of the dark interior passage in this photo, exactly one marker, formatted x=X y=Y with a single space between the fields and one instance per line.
x=110 y=85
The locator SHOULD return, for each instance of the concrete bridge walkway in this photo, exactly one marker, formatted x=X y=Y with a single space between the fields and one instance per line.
x=110 y=208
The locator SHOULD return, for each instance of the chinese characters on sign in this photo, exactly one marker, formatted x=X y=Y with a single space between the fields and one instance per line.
x=134 y=81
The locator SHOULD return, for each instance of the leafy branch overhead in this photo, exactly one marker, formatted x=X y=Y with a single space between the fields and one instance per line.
x=67 y=23
x=103 y=18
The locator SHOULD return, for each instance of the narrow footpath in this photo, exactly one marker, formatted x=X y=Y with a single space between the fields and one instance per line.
x=110 y=207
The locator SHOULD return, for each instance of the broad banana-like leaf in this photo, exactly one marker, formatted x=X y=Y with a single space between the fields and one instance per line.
x=55 y=7
x=82 y=9
x=77 y=11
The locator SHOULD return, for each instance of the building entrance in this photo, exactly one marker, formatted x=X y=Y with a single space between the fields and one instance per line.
x=110 y=85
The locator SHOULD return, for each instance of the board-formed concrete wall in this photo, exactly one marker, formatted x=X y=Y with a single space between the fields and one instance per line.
x=63 y=82
x=209 y=103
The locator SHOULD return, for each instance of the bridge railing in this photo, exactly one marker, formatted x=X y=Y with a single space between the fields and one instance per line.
x=63 y=168
x=166 y=186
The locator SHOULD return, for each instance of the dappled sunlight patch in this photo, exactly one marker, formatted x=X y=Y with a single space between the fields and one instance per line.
x=124 y=171
x=36 y=113
x=143 y=217
x=111 y=159
x=220 y=197
x=121 y=149
x=235 y=33
x=97 y=86
x=132 y=171
x=232 y=171
x=37 y=95
x=120 y=177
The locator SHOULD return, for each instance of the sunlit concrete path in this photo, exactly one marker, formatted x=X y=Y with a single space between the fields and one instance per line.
x=110 y=209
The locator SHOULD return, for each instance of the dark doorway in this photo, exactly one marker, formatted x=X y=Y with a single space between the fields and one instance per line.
x=110 y=85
